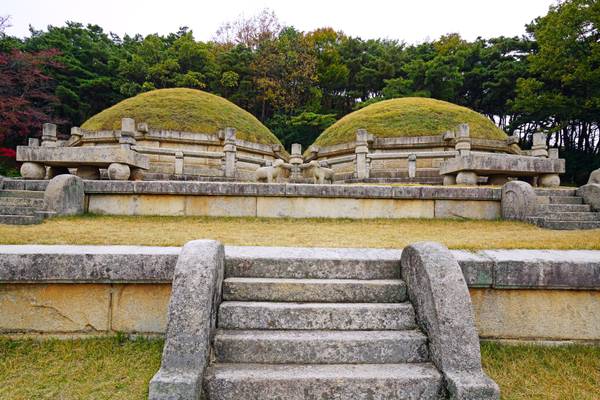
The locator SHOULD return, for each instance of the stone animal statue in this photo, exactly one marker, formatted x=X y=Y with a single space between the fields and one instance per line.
x=270 y=173
x=319 y=174
x=594 y=177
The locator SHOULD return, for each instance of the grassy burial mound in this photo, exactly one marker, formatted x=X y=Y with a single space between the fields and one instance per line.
x=409 y=116
x=186 y=110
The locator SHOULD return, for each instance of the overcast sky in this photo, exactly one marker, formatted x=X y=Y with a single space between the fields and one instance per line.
x=411 y=21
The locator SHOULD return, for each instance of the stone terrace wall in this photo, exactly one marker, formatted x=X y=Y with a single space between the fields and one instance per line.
x=290 y=200
x=83 y=290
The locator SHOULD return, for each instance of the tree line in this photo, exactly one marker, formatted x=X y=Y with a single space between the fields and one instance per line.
x=299 y=83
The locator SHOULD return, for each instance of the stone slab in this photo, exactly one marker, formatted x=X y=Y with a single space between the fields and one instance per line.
x=197 y=188
x=140 y=307
x=502 y=164
x=54 y=308
x=316 y=263
x=307 y=207
x=99 y=156
x=460 y=209
x=552 y=269
x=301 y=382
x=327 y=316
x=503 y=269
x=537 y=314
x=314 y=290
x=320 y=347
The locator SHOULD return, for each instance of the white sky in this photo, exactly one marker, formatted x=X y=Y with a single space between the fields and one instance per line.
x=411 y=21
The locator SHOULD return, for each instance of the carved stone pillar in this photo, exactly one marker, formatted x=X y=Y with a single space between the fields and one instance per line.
x=463 y=140
x=230 y=150
x=296 y=161
x=127 y=138
x=539 y=148
x=361 y=150
x=49 y=135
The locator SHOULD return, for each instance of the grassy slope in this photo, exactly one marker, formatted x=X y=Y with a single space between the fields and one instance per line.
x=409 y=116
x=183 y=110
x=110 y=368
x=175 y=231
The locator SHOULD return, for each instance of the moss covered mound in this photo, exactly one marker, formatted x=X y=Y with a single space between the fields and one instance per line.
x=186 y=110
x=409 y=116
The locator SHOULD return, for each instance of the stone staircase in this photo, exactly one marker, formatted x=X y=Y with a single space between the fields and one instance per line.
x=310 y=331
x=22 y=207
x=563 y=209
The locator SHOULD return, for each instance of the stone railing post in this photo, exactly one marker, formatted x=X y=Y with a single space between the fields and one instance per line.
x=127 y=138
x=49 y=135
x=314 y=152
x=296 y=161
x=513 y=144
x=412 y=165
x=361 y=150
x=76 y=133
x=463 y=140
x=540 y=147
x=230 y=150
x=179 y=163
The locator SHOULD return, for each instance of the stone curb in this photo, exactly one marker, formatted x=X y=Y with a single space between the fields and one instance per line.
x=500 y=269
x=195 y=299
x=439 y=294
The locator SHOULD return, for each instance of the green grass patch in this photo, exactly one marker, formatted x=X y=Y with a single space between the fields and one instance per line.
x=107 y=368
x=409 y=116
x=527 y=372
x=186 y=110
x=375 y=233
x=118 y=368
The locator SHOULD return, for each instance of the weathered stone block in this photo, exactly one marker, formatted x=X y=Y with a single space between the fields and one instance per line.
x=33 y=307
x=140 y=307
x=591 y=194
x=537 y=314
x=65 y=195
x=518 y=201
x=467 y=209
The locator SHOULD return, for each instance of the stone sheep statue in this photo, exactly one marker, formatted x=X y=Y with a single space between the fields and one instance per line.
x=270 y=173
x=319 y=174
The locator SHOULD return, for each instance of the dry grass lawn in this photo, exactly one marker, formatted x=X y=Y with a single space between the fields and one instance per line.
x=175 y=231
x=117 y=368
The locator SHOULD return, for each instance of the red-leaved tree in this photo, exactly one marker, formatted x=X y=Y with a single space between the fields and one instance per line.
x=26 y=94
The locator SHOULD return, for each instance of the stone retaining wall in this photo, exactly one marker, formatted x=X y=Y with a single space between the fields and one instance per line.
x=516 y=294
x=282 y=200
x=290 y=200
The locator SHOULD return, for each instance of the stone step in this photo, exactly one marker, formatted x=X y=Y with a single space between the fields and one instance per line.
x=312 y=263
x=331 y=382
x=16 y=210
x=559 y=208
x=20 y=219
x=315 y=290
x=571 y=216
x=565 y=200
x=25 y=194
x=555 y=192
x=320 y=347
x=332 y=316
x=18 y=201
x=566 y=225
